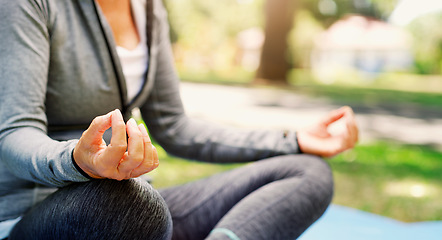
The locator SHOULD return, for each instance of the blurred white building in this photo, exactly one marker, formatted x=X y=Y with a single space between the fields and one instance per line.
x=360 y=43
x=249 y=44
x=408 y=10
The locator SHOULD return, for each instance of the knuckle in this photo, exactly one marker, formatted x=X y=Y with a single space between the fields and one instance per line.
x=119 y=178
x=147 y=166
x=96 y=120
x=119 y=124
x=128 y=175
x=105 y=174
x=84 y=134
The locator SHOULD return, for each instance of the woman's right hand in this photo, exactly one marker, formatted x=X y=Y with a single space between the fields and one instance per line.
x=123 y=158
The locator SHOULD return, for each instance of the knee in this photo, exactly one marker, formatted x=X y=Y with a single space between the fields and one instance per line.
x=306 y=164
x=320 y=176
x=101 y=209
x=317 y=167
x=314 y=170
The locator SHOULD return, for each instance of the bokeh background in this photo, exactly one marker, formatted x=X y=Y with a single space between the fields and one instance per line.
x=284 y=63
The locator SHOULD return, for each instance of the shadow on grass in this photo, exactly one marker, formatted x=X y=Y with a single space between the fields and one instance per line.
x=366 y=100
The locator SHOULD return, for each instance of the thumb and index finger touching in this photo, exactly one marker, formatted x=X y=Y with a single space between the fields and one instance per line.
x=94 y=134
x=106 y=159
x=345 y=113
x=115 y=151
x=337 y=114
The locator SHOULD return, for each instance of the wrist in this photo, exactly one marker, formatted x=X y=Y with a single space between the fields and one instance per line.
x=79 y=169
x=82 y=168
x=297 y=143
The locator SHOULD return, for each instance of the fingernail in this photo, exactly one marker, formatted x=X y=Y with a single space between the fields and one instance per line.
x=117 y=111
x=132 y=122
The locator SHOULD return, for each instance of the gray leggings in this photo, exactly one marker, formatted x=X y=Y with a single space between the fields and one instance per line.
x=276 y=198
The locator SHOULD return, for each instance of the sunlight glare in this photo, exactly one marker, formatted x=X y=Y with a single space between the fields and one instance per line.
x=409 y=189
x=407 y=10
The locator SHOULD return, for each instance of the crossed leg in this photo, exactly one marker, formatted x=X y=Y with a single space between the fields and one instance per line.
x=276 y=198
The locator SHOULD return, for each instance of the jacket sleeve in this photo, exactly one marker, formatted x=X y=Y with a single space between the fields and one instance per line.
x=189 y=138
x=25 y=148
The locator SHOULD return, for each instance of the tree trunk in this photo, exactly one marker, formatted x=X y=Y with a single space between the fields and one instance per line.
x=274 y=66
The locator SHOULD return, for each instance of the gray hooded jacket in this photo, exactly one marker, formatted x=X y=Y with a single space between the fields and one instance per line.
x=59 y=69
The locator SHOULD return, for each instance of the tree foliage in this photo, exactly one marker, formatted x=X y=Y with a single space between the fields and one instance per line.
x=328 y=11
x=204 y=32
x=427 y=43
x=193 y=18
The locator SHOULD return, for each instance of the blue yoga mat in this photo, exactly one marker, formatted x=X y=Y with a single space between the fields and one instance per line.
x=345 y=223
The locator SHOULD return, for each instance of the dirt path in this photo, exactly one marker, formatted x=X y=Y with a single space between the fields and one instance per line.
x=280 y=109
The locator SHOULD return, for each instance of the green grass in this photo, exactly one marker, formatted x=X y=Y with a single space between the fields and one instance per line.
x=371 y=96
x=399 y=181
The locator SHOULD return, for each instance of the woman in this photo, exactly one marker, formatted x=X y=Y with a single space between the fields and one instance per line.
x=71 y=70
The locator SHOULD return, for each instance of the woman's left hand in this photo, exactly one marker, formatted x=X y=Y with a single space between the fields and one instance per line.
x=317 y=140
